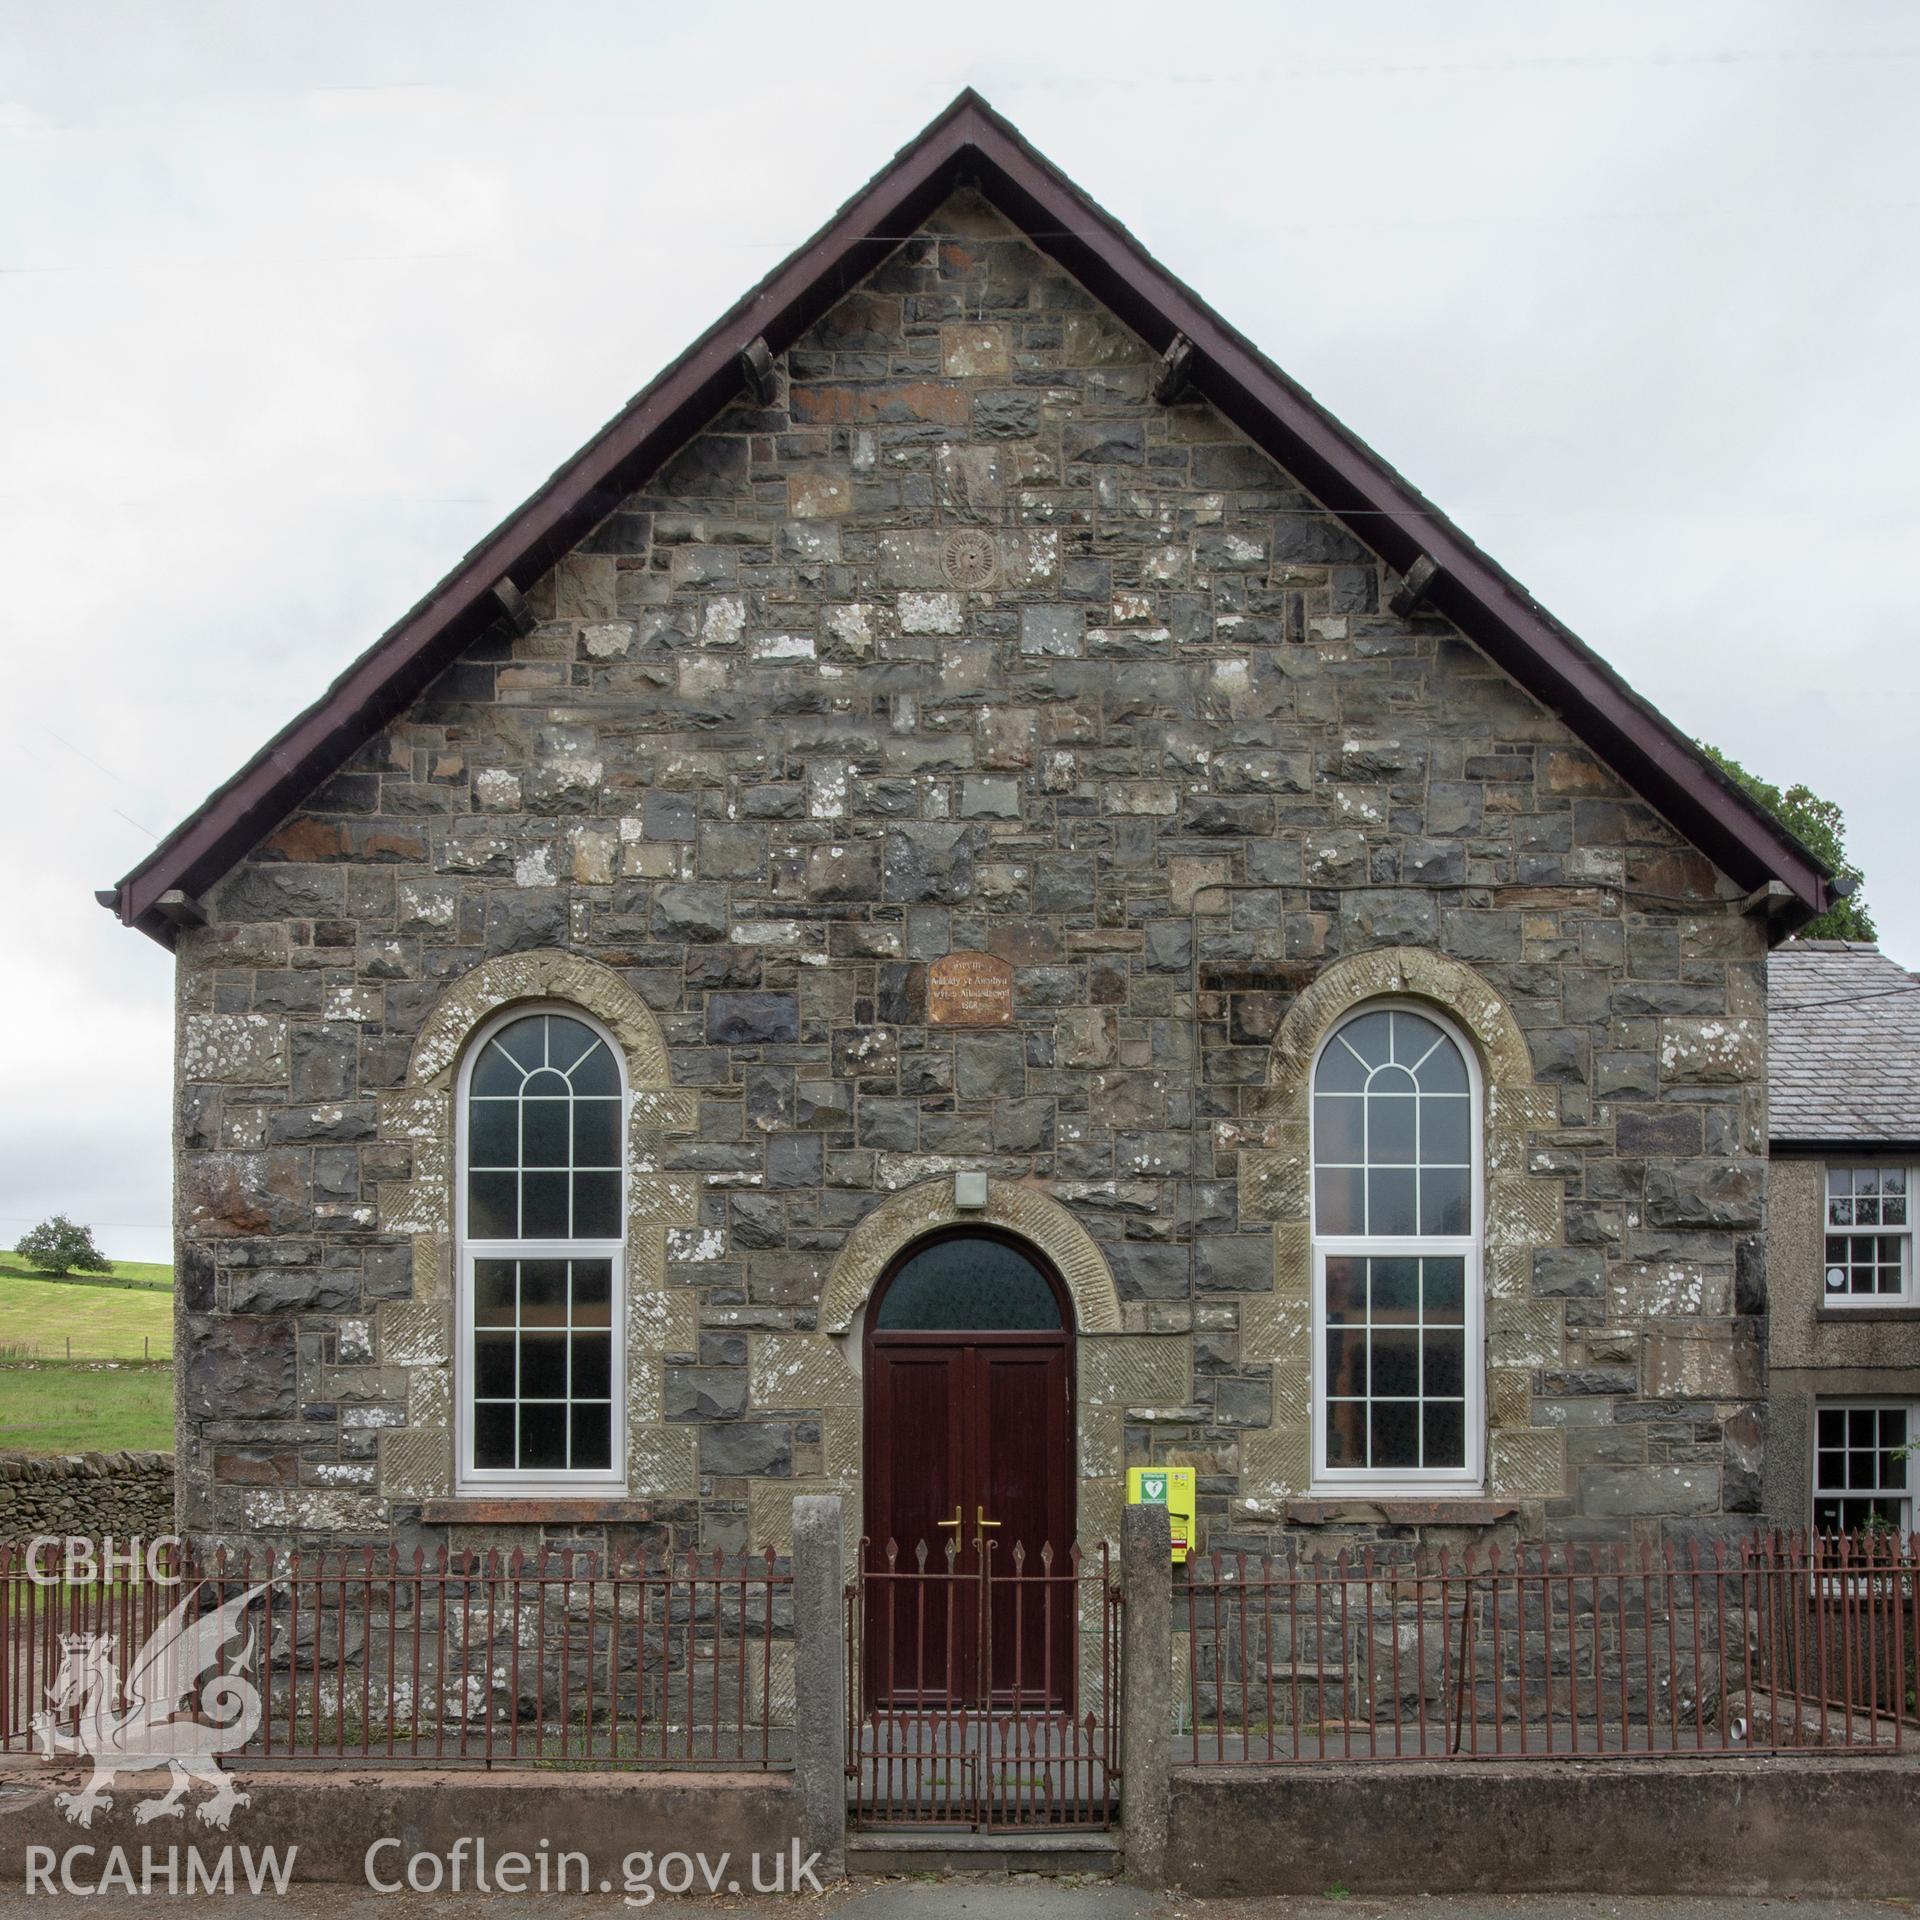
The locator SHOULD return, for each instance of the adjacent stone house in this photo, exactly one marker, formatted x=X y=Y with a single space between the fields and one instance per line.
x=975 y=893
x=1843 y=1071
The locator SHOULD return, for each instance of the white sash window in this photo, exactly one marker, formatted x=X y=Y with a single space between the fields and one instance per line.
x=541 y=1211
x=1869 y=1239
x=1398 y=1375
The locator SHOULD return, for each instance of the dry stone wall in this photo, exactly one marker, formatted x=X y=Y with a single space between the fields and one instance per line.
x=87 y=1496
x=963 y=642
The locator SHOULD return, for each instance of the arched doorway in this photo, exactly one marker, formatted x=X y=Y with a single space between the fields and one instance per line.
x=969 y=1451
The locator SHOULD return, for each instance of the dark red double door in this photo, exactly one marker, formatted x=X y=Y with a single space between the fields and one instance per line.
x=969 y=1439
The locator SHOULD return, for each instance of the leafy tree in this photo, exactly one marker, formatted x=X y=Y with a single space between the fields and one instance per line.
x=1823 y=827
x=60 y=1245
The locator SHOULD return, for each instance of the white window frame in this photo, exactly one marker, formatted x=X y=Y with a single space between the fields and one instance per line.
x=469 y=1479
x=1890 y=1404
x=1848 y=1302
x=1422 y=1482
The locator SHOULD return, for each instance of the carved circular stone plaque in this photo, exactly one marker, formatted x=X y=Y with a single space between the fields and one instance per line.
x=969 y=559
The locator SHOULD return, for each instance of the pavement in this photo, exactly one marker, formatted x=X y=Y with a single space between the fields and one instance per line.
x=967 y=1898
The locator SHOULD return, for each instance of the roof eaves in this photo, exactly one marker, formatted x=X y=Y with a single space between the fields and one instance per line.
x=640 y=438
x=1397 y=521
x=970 y=140
x=1861 y=1144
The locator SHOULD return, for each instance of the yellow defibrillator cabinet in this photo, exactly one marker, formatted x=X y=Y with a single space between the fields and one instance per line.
x=1172 y=1488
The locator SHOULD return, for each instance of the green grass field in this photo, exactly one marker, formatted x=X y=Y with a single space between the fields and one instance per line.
x=81 y=1409
x=104 y=1321
x=105 y=1398
x=126 y=1273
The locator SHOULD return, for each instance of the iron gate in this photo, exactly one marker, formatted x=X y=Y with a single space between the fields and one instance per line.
x=982 y=1696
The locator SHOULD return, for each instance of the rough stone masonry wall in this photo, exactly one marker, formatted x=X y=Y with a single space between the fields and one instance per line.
x=963 y=642
x=87 y=1495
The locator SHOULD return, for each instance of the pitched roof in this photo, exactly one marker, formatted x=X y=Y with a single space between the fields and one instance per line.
x=970 y=144
x=1843 y=1046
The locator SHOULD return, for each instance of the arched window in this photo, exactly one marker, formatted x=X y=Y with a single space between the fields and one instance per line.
x=541 y=1213
x=1396 y=1244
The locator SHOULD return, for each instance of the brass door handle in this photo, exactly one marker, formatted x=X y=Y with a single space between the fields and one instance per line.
x=955 y=1521
x=980 y=1518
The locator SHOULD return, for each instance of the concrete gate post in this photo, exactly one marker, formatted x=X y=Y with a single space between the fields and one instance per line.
x=1146 y=1701
x=819 y=1665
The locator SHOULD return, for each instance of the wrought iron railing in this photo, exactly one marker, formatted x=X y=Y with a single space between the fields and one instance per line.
x=560 y=1659
x=1772 y=1643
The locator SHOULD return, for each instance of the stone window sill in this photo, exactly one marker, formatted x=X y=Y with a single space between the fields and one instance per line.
x=1348 y=1511
x=1841 y=1316
x=531 y=1510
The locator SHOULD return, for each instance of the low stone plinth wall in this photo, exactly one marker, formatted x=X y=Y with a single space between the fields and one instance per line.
x=328 y=1822
x=1743 y=1826
x=90 y=1495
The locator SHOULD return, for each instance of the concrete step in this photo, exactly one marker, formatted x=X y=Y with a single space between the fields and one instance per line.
x=1003 y=1852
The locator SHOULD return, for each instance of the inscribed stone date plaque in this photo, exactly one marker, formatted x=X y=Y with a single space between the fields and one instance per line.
x=970 y=990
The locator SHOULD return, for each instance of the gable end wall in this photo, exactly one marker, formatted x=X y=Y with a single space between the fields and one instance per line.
x=964 y=642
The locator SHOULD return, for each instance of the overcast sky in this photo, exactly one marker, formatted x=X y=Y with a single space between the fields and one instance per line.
x=296 y=302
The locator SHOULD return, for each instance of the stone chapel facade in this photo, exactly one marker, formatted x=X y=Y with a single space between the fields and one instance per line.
x=974 y=623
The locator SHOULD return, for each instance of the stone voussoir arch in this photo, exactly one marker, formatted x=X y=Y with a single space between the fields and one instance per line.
x=545 y=974
x=1116 y=1368
x=416 y=1332
x=1523 y=1215
x=928 y=1205
x=1410 y=972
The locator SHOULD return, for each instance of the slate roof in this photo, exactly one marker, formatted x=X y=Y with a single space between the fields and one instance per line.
x=1843 y=1046
x=970 y=144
